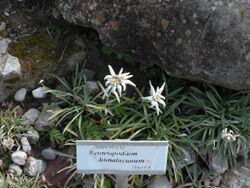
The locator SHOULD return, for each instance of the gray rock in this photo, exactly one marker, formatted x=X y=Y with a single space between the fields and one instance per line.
x=20 y=95
x=2 y=26
x=189 y=157
x=46 y=118
x=237 y=177
x=48 y=153
x=93 y=87
x=15 y=169
x=33 y=167
x=199 y=40
x=39 y=93
x=10 y=70
x=88 y=184
x=10 y=67
x=89 y=74
x=31 y=115
x=219 y=164
x=71 y=61
x=19 y=157
x=7 y=14
x=4 y=43
x=32 y=136
x=25 y=145
x=159 y=182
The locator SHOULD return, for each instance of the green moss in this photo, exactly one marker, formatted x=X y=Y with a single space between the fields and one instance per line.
x=37 y=50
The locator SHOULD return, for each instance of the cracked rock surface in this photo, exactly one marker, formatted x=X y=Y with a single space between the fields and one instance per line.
x=198 y=40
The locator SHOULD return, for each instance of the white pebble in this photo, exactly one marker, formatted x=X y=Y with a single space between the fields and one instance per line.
x=39 y=93
x=19 y=157
x=31 y=115
x=20 y=95
x=16 y=169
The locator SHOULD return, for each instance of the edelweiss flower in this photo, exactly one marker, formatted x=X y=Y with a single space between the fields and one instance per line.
x=156 y=98
x=116 y=83
x=8 y=143
x=229 y=135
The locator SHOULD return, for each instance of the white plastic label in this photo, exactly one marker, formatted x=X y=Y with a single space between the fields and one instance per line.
x=121 y=157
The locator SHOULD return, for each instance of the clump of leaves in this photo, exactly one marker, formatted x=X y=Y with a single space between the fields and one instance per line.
x=81 y=114
x=12 y=181
x=11 y=125
x=212 y=114
x=56 y=137
x=88 y=117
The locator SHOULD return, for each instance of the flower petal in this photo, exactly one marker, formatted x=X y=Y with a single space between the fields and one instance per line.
x=111 y=70
x=152 y=90
x=116 y=95
x=129 y=82
x=162 y=88
x=162 y=103
x=120 y=72
x=148 y=98
x=119 y=88
x=108 y=77
x=124 y=86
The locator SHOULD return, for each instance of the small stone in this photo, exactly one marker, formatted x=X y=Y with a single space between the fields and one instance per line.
x=16 y=169
x=189 y=157
x=20 y=95
x=19 y=157
x=72 y=60
x=89 y=184
x=48 y=153
x=89 y=74
x=33 y=167
x=4 y=43
x=159 y=182
x=238 y=176
x=11 y=67
x=7 y=14
x=32 y=136
x=45 y=119
x=39 y=93
x=31 y=115
x=219 y=164
x=2 y=26
x=93 y=87
x=25 y=145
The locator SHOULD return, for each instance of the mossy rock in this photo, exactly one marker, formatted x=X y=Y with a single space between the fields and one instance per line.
x=35 y=52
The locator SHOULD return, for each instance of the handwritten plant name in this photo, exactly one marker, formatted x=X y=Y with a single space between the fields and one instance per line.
x=110 y=153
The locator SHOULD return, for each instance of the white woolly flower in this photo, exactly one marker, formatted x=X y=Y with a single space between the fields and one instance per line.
x=229 y=135
x=8 y=143
x=156 y=98
x=116 y=83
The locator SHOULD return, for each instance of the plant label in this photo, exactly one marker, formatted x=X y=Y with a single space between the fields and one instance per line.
x=121 y=157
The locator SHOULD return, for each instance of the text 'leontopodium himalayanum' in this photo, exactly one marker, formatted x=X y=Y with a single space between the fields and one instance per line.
x=156 y=98
x=116 y=83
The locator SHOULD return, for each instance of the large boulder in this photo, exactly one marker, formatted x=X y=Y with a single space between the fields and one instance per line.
x=199 y=40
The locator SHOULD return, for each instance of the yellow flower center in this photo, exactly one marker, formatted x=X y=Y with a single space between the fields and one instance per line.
x=116 y=80
x=157 y=97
